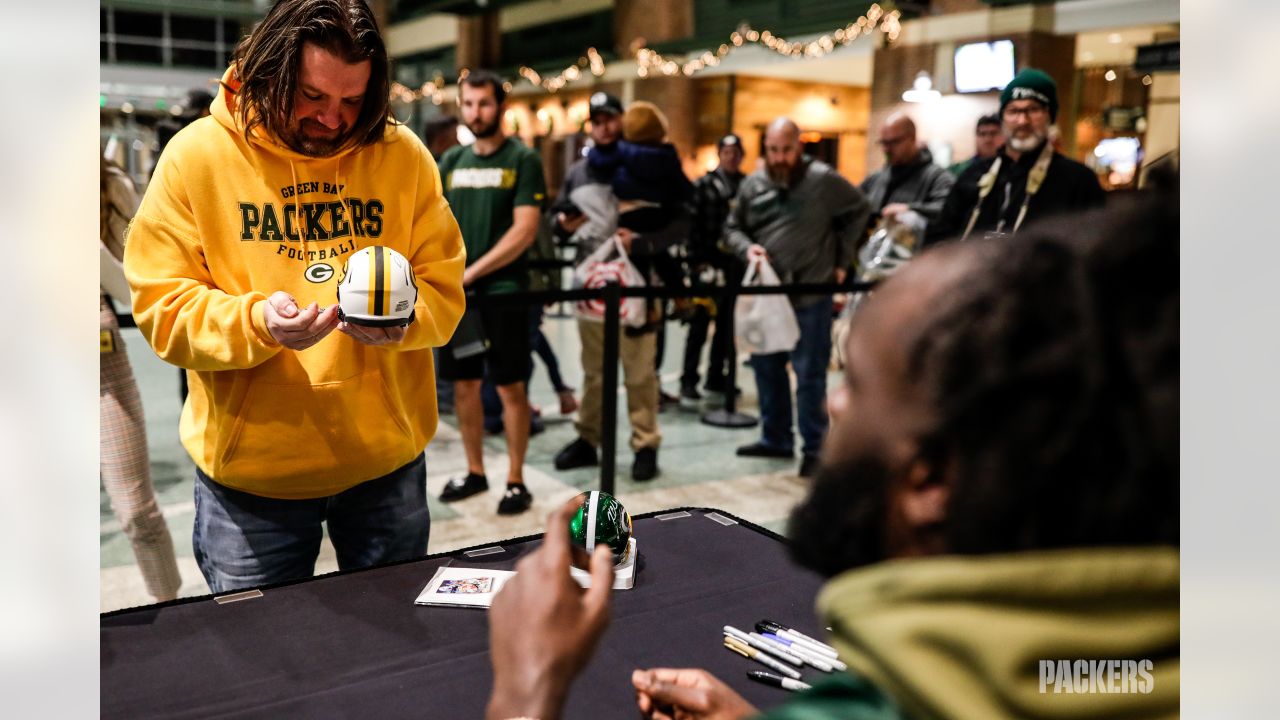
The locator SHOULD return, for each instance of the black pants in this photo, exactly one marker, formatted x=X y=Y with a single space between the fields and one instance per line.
x=718 y=365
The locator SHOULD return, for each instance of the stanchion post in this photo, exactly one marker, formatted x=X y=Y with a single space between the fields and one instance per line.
x=609 y=391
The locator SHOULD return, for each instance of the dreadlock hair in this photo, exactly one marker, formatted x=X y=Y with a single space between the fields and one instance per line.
x=1054 y=376
x=267 y=63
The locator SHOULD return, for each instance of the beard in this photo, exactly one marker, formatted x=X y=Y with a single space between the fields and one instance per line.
x=318 y=142
x=481 y=130
x=784 y=174
x=840 y=525
x=1027 y=143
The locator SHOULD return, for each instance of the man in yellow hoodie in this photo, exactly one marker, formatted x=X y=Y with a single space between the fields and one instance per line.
x=233 y=261
x=996 y=507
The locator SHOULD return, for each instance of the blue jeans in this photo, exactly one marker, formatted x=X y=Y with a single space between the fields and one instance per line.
x=810 y=359
x=243 y=540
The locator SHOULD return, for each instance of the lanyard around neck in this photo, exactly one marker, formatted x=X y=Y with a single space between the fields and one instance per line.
x=1035 y=178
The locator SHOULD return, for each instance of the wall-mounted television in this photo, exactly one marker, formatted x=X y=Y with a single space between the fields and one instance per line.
x=984 y=66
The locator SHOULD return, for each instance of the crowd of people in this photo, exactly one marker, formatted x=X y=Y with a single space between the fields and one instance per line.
x=1016 y=355
x=1009 y=395
x=304 y=143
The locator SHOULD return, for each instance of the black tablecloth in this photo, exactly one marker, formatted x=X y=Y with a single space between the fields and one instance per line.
x=354 y=644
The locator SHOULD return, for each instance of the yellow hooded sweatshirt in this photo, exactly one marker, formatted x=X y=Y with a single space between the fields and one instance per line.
x=227 y=222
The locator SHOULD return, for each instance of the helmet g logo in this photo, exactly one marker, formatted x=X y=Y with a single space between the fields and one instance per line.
x=319 y=272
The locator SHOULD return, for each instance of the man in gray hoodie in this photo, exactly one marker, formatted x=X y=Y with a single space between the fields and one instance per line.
x=806 y=220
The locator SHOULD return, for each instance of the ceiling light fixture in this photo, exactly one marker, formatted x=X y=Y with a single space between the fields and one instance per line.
x=921 y=89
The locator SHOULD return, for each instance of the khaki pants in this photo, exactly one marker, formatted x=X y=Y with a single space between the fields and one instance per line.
x=637 y=354
x=126 y=470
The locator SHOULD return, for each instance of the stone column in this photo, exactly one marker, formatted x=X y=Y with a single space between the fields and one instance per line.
x=479 y=41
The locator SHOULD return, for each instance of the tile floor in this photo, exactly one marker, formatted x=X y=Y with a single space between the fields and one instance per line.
x=698 y=466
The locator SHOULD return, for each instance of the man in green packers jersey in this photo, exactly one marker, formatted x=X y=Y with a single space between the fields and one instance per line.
x=496 y=188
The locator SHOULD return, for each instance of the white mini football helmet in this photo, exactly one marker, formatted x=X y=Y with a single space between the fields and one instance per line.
x=377 y=288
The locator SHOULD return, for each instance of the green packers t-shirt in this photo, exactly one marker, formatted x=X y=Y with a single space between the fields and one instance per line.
x=484 y=193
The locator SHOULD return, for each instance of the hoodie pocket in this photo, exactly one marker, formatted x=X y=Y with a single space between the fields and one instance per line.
x=298 y=440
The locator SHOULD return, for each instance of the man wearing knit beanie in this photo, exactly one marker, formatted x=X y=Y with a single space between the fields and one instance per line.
x=1028 y=180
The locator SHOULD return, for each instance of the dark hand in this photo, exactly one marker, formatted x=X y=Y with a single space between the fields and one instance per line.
x=543 y=627
x=297 y=329
x=373 y=335
x=687 y=694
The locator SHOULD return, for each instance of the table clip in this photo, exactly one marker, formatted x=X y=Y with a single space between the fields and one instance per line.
x=237 y=597
x=721 y=519
x=481 y=552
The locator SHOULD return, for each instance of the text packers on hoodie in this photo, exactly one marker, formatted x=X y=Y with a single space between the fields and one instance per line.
x=224 y=223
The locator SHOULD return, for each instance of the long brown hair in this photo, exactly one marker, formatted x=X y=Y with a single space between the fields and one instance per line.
x=267 y=63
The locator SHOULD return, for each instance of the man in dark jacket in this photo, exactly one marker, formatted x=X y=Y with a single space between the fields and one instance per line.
x=909 y=180
x=1028 y=180
x=712 y=194
x=802 y=217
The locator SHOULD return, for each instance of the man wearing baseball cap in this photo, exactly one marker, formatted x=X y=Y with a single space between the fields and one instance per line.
x=712 y=194
x=1028 y=180
x=606 y=129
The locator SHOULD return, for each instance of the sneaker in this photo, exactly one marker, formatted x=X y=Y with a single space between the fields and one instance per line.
x=461 y=488
x=690 y=398
x=758 y=449
x=666 y=400
x=645 y=466
x=568 y=403
x=515 y=500
x=808 y=466
x=576 y=454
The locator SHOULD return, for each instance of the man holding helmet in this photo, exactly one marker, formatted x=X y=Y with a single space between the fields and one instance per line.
x=234 y=260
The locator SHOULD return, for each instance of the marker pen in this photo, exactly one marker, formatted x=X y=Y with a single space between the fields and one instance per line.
x=778 y=648
x=760 y=643
x=773 y=627
x=777 y=681
x=750 y=652
x=822 y=662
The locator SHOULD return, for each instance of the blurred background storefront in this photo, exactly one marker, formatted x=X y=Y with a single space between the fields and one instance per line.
x=714 y=66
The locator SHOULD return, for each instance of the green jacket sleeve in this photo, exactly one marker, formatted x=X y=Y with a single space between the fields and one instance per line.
x=843 y=697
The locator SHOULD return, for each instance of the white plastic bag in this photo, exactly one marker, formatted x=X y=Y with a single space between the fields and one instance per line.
x=597 y=270
x=764 y=324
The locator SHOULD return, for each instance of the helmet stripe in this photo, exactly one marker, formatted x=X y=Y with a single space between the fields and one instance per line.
x=593 y=506
x=377 y=283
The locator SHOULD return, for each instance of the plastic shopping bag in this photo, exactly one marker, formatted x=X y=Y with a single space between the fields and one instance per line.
x=597 y=270
x=764 y=324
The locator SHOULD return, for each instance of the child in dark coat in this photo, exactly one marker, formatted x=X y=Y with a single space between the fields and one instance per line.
x=644 y=171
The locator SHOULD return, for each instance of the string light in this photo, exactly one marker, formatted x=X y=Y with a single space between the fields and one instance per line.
x=650 y=62
x=591 y=62
x=433 y=89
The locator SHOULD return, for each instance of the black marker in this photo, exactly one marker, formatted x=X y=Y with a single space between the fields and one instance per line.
x=769 y=678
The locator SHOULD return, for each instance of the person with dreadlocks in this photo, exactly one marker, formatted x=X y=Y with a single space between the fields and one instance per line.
x=999 y=496
x=234 y=259
x=1028 y=180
